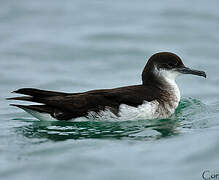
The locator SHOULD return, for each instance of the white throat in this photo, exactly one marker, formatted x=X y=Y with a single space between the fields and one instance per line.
x=169 y=79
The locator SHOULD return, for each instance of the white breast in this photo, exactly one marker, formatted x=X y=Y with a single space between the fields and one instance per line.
x=169 y=80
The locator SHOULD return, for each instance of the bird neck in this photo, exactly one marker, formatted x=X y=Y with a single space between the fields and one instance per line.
x=165 y=83
x=173 y=89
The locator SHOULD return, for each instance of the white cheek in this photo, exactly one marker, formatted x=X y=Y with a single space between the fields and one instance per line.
x=169 y=75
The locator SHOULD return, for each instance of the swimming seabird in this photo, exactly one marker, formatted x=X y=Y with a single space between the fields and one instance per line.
x=157 y=97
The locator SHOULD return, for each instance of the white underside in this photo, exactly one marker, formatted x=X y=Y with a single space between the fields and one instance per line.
x=148 y=110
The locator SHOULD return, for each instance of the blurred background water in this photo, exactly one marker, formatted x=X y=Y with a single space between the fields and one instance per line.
x=81 y=45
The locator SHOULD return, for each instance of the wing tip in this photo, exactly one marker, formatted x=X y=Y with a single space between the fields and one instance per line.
x=21 y=91
x=21 y=98
x=14 y=91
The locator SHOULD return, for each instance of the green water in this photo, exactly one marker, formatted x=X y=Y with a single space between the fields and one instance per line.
x=76 y=46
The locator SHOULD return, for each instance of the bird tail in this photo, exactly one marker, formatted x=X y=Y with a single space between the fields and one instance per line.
x=46 y=107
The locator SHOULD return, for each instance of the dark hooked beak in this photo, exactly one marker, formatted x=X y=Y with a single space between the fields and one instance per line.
x=186 y=70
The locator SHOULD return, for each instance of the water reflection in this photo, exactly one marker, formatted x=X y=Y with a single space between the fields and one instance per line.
x=58 y=130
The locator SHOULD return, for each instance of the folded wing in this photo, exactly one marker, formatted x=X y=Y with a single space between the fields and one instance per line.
x=65 y=106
